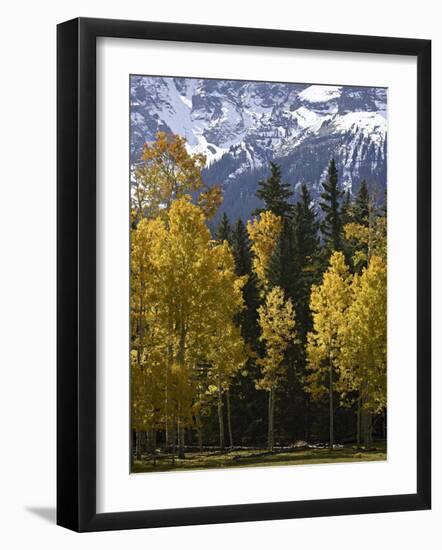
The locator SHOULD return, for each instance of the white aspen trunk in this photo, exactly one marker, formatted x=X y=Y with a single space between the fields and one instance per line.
x=180 y=435
x=180 y=411
x=330 y=402
x=271 y=420
x=166 y=389
x=220 y=417
x=173 y=439
x=181 y=442
x=153 y=444
x=229 y=419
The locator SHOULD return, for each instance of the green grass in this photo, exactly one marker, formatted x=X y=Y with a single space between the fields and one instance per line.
x=254 y=457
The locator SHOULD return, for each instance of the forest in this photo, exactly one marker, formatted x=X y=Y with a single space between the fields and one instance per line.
x=254 y=343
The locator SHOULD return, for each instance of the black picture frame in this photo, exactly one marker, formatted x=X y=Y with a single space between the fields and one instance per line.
x=76 y=274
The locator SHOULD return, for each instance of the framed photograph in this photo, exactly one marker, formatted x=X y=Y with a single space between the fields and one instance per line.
x=243 y=274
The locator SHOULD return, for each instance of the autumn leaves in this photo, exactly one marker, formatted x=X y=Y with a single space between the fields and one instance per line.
x=207 y=312
x=184 y=297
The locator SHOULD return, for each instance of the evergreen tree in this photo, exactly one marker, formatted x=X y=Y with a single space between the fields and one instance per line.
x=247 y=318
x=331 y=227
x=281 y=269
x=362 y=205
x=224 y=231
x=347 y=208
x=306 y=228
x=247 y=402
x=274 y=193
x=241 y=248
x=306 y=270
x=306 y=254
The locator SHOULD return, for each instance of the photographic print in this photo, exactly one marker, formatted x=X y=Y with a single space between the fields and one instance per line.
x=258 y=273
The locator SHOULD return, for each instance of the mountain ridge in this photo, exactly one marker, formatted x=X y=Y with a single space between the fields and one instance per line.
x=241 y=125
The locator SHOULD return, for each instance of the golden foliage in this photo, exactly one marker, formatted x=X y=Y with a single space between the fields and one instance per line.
x=369 y=240
x=167 y=172
x=264 y=232
x=276 y=318
x=329 y=303
x=364 y=337
x=184 y=297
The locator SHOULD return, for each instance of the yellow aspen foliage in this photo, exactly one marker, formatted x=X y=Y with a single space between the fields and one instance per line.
x=329 y=303
x=364 y=338
x=186 y=273
x=226 y=348
x=263 y=232
x=276 y=318
x=360 y=233
x=166 y=172
x=184 y=292
x=147 y=333
x=372 y=239
x=209 y=200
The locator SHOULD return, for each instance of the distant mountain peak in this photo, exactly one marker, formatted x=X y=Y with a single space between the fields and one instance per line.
x=240 y=126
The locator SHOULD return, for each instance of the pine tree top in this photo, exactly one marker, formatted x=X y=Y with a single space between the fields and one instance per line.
x=274 y=193
x=362 y=205
x=331 y=226
x=241 y=248
x=224 y=231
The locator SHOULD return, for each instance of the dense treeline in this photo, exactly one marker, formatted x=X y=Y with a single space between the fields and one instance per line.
x=264 y=333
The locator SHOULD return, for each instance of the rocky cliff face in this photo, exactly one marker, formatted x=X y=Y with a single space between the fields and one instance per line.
x=241 y=125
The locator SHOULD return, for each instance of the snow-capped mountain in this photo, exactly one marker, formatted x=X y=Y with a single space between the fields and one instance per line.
x=240 y=126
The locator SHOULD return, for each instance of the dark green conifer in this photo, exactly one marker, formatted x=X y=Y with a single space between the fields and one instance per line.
x=306 y=255
x=361 y=206
x=224 y=231
x=247 y=318
x=331 y=226
x=274 y=193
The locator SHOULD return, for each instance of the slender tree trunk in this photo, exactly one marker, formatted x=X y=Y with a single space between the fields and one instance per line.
x=181 y=353
x=181 y=442
x=199 y=432
x=143 y=442
x=271 y=419
x=330 y=402
x=180 y=436
x=153 y=444
x=307 y=421
x=366 y=423
x=137 y=445
x=166 y=407
x=173 y=439
x=367 y=428
x=229 y=419
x=220 y=417
x=166 y=389
x=358 y=421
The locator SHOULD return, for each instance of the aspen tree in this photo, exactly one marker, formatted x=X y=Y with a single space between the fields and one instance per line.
x=166 y=172
x=364 y=343
x=329 y=303
x=276 y=318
